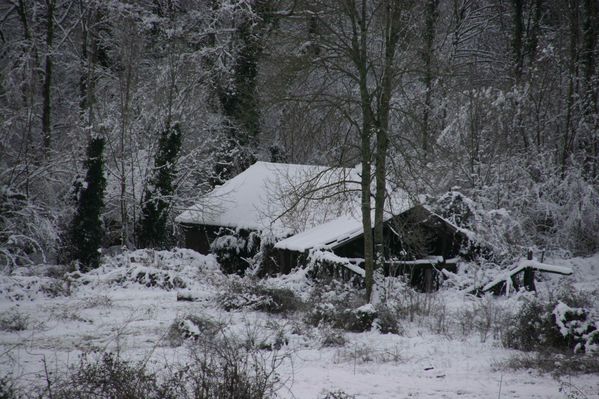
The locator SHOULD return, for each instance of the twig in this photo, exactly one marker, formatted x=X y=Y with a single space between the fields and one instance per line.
x=500 y=383
x=48 y=382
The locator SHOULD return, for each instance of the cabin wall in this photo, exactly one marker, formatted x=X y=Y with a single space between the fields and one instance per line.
x=199 y=237
x=422 y=233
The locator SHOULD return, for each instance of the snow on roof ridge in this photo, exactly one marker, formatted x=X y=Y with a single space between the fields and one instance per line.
x=253 y=199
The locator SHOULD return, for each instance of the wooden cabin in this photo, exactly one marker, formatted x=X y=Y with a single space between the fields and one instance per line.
x=418 y=244
x=298 y=210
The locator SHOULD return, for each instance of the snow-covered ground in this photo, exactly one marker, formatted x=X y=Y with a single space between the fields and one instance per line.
x=113 y=309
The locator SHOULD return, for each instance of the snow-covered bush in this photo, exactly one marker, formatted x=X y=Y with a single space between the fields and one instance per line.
x=247 y=293
x=575 y=326
x=107 y=376
x=235 y=250
x=338 y=304
x=484 y=316
x=28 y=232
x=216 y=366
x=338 y=394
x=532 y=328
x=13 y=320
x=387 y=321
x=495 y=234
x=191 y=327
x=355 y=320
x=331 y=337
x=558 y=364
x=543 y=324
x=7 y=388
x=532 y=202
x=408 y=303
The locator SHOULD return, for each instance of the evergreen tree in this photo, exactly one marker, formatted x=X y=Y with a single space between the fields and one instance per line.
x=86 y=230
x=158 y=195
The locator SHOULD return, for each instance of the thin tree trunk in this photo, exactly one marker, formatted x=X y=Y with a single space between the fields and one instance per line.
x=47 y=87
x=429 y=36
x=570 y=130
x=392 y=18
x=589 y=42
x=359 y=43
x=517 y=38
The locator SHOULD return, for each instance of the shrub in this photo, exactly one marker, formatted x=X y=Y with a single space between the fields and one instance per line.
x=484 y=316
x=408 y=302
x=339 y=394
x=554 y=363
x=246 y=294
x=7 y=389
x=226 y=366
x=104 y=377
x=550 y=324
x=387 y=321
x=235 y=250
x=332 y=338
x=338 y=305
x=219 y=366
x=575 y=326
x=354 y=320
x=358 y=320
x=323 y=313
x=191 y=327
x=153 y=277
x=14 y=320
x=533 y=328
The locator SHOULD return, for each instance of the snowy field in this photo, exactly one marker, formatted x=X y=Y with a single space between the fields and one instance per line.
x=129 y=304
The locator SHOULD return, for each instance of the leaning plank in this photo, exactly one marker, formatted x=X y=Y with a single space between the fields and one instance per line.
x=330 y=257
x=520 y=267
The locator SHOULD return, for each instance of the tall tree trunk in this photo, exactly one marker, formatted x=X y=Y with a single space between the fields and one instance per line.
x=47 y=88
x=533 y=38
x=517 y=37
x=569 y=129
x=360 y=57
x=518 y=62
x=588 y=58
x=427 y=56
x=392 y=20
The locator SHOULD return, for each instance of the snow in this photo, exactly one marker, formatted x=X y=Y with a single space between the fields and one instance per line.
x=328 y=235
x=257 y=198
x=330 y=257
x=286 y=199
x=426 y=261
x=108 y=310
x=523 y=264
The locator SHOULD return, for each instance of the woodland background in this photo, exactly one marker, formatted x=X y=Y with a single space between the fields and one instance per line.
x=496 y=100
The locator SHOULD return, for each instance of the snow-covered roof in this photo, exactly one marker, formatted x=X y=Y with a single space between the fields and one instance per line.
x=325 y=236
x=286 y=199
x=261 y=196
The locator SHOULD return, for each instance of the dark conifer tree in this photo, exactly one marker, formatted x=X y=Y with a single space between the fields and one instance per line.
x=86 y=230
x=158 y=195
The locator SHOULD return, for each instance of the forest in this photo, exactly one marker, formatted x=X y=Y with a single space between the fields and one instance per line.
x=118 y=115
x=495 y=99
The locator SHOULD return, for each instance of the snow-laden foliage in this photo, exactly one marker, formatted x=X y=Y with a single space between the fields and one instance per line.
x=549 y=323
x=245 y=293
x=539 y=212
x=237 y=250
x=575 y=325
x=28 y=232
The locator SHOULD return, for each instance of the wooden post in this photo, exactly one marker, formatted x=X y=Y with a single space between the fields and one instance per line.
x=529 y=276
x=428 y=279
